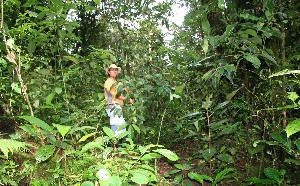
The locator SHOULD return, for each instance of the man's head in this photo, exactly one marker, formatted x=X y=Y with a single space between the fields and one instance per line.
x=113 y=70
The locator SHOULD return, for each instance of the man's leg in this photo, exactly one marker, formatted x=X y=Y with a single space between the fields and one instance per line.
x=114 y=128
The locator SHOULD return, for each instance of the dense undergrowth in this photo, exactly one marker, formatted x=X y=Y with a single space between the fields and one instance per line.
x=218 y=105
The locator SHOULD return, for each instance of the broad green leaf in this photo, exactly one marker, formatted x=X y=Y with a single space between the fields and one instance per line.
x=187 y=182
x=3 y=62
x=251 y=32
x=233 y=93
x=49 y=98
x=136 y=128
x=148 y=167
x=297 y=143
x=293 y=96
x=269 y=57
x=256 y=40
x=87 y=183
x=273 y=174
x=254 y=60
x=123 y=134
x=260 y=180
x=115 y=181
x=38 y=122
x=83 y=128
x=192 y=115
x=251 y=17
x=199 y=178
x=172 y=96
x=97 y=2
x=221 y=105
x=208 y=154
x=221 y=4
x=150 y=156
x=87 y=136
x=92 y=145
x=184 y=166
x=229 y=130
x=29 y=3
x=205 y=45
x=285 y=72
x=229 y=30
x=31 y=47
x=293 y=127
x=108 y=132
x=44 y=71
x=191 y=133
x=153 y=145
x=62 y=129
x=140 y=176
x=178 y=179
x=106 y=152
x=221 y=175
x=196 y=124
x=206 y=26
x=71 y=58
x=174 y=171
x=269 y=33
x=143 y=149
x=207 y=102
x=278 y=137
x=293 y=161
x=225 y=157
x=179 y=89
x=16 y=88
x=168 y=154
x=229 y=67
x=29 y=129
x=208 y=74
x=58 y=90
x=44 y=153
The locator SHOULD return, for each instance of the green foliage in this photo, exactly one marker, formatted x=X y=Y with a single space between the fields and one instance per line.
x=44 y=153
x=180 y=170
x=224 y=174
x=273 y=177
x=293 y=127
x=207 y=89
x=12 y=174
x=11 y=146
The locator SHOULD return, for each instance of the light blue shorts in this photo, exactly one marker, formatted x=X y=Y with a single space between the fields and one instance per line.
x=116 y=121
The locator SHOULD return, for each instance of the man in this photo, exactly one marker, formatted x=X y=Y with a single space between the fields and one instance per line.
x=115 y=99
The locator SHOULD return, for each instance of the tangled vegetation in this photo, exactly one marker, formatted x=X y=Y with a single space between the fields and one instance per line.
x=216 y=105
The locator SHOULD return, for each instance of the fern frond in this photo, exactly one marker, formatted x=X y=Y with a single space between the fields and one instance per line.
x=9 y=145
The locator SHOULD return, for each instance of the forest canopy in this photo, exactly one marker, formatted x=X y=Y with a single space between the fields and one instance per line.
x=216 y=105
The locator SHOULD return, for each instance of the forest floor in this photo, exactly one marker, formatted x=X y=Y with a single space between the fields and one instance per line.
x=185 y=152
x=189 y=154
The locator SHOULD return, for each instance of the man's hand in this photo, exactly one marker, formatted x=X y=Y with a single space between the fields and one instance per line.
x=131 y=101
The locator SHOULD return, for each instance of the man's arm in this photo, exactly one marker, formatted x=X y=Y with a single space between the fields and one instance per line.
x=123 y=98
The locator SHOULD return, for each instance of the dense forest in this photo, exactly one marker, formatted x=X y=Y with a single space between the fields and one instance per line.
x=216 y=105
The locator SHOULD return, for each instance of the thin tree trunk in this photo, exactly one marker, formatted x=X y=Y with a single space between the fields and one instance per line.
x=283 y=60
x=11 y=57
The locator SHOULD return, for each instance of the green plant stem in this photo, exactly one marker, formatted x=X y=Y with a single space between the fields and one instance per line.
x=209 y=136
x=283 y=60
x=16 y=65
x=161 y=122
x=162 y=118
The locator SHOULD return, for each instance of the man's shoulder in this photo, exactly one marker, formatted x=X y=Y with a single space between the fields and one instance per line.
x=108 y=83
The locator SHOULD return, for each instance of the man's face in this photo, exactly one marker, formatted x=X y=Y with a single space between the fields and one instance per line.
x=113 y=72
